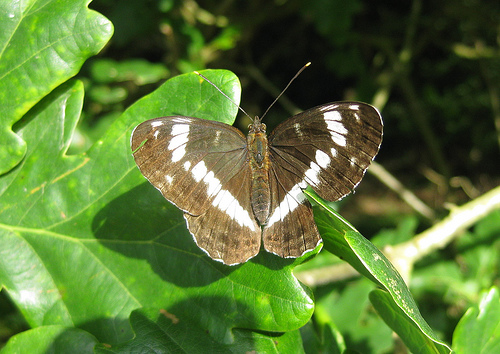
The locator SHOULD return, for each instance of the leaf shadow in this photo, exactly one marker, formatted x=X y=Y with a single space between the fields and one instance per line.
x=171 y=328
x=140 y=223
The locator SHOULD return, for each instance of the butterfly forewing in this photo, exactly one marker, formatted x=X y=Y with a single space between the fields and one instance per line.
x=201 y=167
x=329 y=146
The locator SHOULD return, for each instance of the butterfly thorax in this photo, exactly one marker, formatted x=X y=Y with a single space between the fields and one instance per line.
x=258 y=158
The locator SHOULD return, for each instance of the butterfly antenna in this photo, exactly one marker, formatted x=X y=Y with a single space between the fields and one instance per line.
x=282 y=92
x=218 y=89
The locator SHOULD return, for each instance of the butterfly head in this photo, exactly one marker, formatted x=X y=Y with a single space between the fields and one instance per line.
x=257 y=126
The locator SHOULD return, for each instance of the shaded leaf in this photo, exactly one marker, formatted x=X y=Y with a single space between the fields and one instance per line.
x=325 y=338
x=161 y=331
x=412 y=329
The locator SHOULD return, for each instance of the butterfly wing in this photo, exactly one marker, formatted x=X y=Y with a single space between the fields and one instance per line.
x=290 y=230
x=200 y=166
x=328 y=147
x=331 y=146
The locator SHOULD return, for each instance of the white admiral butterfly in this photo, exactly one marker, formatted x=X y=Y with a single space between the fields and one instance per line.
x=238 y=192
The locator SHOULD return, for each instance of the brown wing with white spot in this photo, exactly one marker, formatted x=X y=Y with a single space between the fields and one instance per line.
x=227 y=231
x=290 y=230
x=330 y=146
x=200 y=166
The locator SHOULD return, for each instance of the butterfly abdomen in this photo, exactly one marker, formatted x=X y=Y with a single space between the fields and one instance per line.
x=258 y=154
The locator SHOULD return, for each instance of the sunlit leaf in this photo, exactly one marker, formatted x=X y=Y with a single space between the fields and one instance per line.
x=42 y=44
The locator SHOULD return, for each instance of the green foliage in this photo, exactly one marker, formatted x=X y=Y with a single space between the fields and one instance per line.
x=39 y=51
x=92 y=258
x=394 y=303
x=109 y=261
x=138 y=71
x=478 y=329
x=52 y=339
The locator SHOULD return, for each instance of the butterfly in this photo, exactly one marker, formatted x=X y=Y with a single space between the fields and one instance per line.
x=239 y=192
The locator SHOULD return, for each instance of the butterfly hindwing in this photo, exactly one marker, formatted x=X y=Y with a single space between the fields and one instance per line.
x=228 y=231
x=290 y=230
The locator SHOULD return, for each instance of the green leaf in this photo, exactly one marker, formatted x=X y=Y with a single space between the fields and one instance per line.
x=323 y=339
x=86 y=240
x=42 y=44
x=190 y=95
x=333 y=229
x=51 y=339
x=407 y=323
x=346 y=242
x=479 y=329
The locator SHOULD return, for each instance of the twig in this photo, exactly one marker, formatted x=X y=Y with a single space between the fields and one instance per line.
x=327 y=274
x=411 y=199
x=404 y=255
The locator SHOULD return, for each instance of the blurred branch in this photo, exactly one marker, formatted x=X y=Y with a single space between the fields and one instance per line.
x=404 y=255
x=405 y=194
x=494 y=94
x=326 y=275
x=479 y=51
x=495 y=105
x=421 y=119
